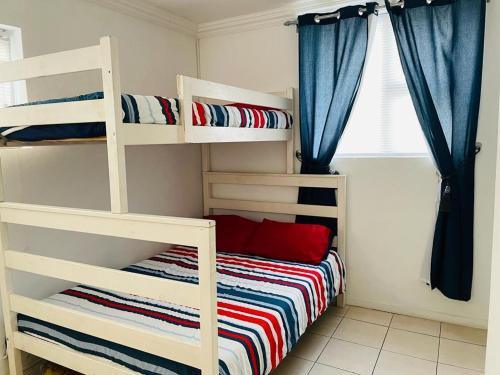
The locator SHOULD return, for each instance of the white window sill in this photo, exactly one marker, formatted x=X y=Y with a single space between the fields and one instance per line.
x=383 y=156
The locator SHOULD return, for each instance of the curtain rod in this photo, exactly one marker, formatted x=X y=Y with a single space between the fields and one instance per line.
x=362 y=9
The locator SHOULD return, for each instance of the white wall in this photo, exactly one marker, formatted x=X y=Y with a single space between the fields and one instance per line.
x=493 y=347
x=390 y=200
x=162 y=179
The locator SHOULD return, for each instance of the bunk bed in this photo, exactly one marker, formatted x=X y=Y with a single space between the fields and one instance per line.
x=107 y=109
x=190 y=282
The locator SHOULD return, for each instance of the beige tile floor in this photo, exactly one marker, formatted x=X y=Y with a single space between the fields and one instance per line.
x=360 y=341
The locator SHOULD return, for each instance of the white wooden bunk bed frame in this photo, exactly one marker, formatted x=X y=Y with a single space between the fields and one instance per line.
x=104 y=57
x=119 y=223
x=170 y=230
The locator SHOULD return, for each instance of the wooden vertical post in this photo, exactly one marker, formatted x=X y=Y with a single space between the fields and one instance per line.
x=10 y=318
x=205 y=167
x=208 y=304
x=341 y=227
x=113 y=108
x=290 y=144
x=186 y=103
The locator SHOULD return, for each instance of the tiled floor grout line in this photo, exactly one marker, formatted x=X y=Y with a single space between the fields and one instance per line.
x=344 y=316
x=383 y=342
x=331 y=337
x=439 y=346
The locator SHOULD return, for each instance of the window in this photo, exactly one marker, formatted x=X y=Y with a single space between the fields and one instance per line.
x=383 y=120
x=10 y=49
x=6 y=89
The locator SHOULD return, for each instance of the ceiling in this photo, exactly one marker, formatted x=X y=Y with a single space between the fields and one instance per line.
x=201 y=11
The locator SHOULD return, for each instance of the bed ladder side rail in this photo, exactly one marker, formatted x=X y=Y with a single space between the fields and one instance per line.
x=190 y=232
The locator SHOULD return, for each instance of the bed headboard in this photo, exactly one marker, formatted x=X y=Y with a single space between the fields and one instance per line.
x=286 y=180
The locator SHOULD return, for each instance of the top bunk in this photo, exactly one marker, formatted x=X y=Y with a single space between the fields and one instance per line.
x=238 y=115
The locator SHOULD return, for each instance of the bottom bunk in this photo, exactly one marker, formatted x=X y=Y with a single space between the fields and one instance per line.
x=263 y=307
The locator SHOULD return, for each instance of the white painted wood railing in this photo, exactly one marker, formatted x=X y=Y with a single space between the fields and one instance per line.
x=171 y=230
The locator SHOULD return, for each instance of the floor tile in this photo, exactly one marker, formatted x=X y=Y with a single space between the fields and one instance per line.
x=293 y=365
x=396 y=364
x=418 y=325
x=319 y=369
x=466 y=334
x=349 y=356
x=339 y=311
x=310 y=346
x=412 y=344
x=452 y=370
x=370 y=316
x=325 y=325
x=462 y=354
x=361 y=333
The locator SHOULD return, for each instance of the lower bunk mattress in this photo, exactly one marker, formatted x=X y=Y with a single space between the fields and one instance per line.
x=140 y=109
x=264 y=306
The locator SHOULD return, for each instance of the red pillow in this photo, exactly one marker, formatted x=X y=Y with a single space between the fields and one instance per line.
x=232 y=232
x=304 y=243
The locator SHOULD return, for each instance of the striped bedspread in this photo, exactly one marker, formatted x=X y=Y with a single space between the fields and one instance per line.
x=140 y=109
x=264 y=306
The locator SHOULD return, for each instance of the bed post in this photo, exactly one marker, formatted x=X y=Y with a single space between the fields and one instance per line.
x=290 y=144
x=341 y=227
x=186 y=104
x=205 y=167
x=10 y=318
x=113 y=109
x=208 y=303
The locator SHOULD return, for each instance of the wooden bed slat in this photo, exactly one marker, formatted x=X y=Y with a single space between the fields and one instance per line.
x=125 y=282
x=83 y=363
x=273 y=207
x=55 y=113
x=271 y=179
x=77 y=60
x=214 y=134
x=162 y=229
x=125 y=334
x=218 y=91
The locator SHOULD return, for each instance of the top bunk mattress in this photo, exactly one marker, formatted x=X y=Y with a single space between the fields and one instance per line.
x=139 y=109
x=263 y=307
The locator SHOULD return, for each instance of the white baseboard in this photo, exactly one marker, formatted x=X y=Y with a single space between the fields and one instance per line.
x=420 y=313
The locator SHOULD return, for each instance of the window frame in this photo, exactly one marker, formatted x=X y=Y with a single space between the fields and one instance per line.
x=14 y=35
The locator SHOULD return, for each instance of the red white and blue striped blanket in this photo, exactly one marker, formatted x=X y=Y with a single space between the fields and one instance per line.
x=140 y=109
x=264 y=306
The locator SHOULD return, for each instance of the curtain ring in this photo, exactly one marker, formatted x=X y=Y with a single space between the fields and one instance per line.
x=317 y=19
x=361 y=11
x=429 y=2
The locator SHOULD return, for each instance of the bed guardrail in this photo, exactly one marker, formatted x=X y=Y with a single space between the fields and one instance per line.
x=190 y=232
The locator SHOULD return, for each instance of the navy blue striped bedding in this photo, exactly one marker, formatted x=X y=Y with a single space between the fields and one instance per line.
x=264 y=306
x=139 y=109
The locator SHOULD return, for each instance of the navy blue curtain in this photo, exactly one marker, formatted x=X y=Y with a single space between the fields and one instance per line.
x=331 y=59
x=441 y=51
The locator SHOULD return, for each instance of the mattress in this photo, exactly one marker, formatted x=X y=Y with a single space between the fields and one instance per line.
x=139 y=109
x=264 y=306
